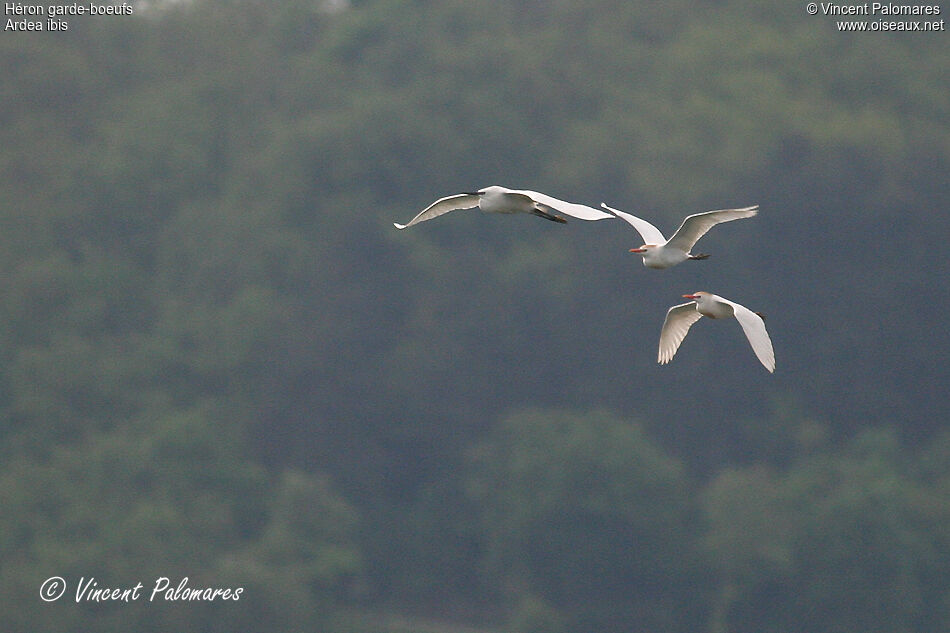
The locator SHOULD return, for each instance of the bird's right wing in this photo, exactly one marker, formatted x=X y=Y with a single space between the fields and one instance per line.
x=579 y=211
x=649 y=233
x=754 y=328
x=678 y=321
x=442 y=206
x=695 y=226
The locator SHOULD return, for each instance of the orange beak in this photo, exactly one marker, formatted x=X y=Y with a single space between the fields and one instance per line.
x=638 y=250
x=691 y=297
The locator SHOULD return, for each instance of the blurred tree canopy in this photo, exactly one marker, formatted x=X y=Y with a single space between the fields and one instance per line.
x=857 y=538
x=585 y=515
x=220 y=361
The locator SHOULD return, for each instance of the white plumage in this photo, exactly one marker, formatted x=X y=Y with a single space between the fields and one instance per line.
x=681 y=317
x=497 y=199
x=658 y=252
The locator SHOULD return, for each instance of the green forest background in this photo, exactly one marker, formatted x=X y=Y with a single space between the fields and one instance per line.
x=219 y=360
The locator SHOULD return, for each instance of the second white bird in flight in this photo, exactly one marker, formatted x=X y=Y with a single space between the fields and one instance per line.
x=658 y=252
x=681 y=317
x=497 y=199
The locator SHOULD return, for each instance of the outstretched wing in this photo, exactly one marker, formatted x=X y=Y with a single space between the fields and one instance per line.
x=649 y=233
x=579 y=211
x=678 y=321
x=695 y=226
x=754 y=328
x=442 y=206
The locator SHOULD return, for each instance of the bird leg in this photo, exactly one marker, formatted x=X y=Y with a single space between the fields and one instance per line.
x=548 y=216
x=700 y=256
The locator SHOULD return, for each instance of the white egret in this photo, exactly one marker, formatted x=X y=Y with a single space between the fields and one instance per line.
x=658 y=252
x=679 y=319
x=497 y=199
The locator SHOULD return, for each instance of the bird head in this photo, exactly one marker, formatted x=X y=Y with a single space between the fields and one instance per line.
x=642 y=249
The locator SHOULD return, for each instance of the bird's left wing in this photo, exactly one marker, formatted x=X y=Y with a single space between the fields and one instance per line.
x=695 y=226
x=579 y=211
x=678 y=321
x=754 y=328
x=442 y=206
x=649 y=233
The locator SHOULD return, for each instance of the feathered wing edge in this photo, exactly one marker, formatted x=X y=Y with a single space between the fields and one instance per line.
x=754 y=327
x=678 y=320
x=579 y=211
x=441 y=207
x=648 y=233
x=697 y=225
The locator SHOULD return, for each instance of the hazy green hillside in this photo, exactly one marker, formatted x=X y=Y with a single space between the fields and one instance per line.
x=220 y=360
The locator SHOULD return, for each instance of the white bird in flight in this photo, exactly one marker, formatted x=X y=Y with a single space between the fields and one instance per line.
x=497 y=199
x=658 y=252
x=679 y=319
